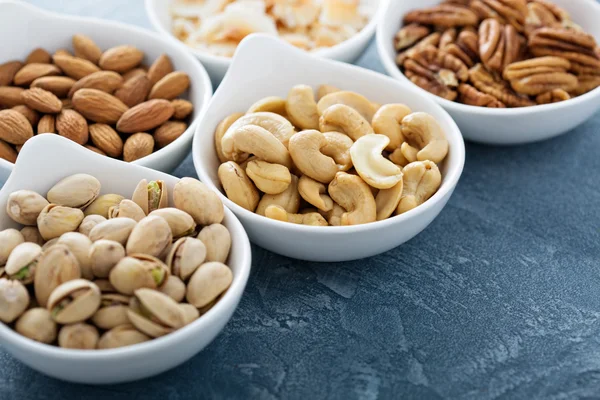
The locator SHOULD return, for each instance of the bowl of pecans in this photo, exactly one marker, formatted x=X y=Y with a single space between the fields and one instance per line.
x=119 y=91
x=508 y=71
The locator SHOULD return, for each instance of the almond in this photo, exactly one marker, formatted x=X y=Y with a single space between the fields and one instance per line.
x=98 y=106
x=134 y=91
x=31 y=72
x=32 y=116
x=107 y=81
x=38 y=56
x=72 y=125
x=137 y=146
x=183 y=108
x=121 y=58
x=86 y=48
x=59 y=85
x=8 y=71
x=145 y=116
x=159 y=68
x=46 y=124
x=94 y=149
x=170 y=86
x=14 y=127
x=41 y=100
x=8 y=152
x=106 y=139
x=168 y=132
x=75 y=67
x=133 y=73
x=10 y=96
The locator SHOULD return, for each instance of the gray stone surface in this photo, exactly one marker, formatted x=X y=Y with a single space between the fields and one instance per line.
x=497 y=299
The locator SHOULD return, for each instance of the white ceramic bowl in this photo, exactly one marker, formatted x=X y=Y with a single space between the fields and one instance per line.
x=46 y=159
x=265 y=67
x=347 y=51
x=25 y=27
x=494 y=125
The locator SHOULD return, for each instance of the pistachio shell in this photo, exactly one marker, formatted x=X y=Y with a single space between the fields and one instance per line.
x=74 y=301
x=180 y=222
x=151 y=196
x=151 y=235
x=124 y=335
x=104 y=255
x=195 y=198
x=9 y=239
x=127 y=209
x=14 y=300
x=217 y=239
x=54 y=220
x=76 y=191
x=102 y=204
x=208 y=282
x=186 y=255
x=37 y=324
x=117 y=229
x=89 y=222
x=80 y=245
x=138 y=271
x=112 y=311
x=31 y=234
x=24 y=206
x=174 y=288
x=155 y=313
x=22 y=262
x=78 y=336
x=191 y=312
x=56 y=266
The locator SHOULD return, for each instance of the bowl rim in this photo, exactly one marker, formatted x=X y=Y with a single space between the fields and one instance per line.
x=205 y=83
x=449 y=182
x=10 y=338
x=329 y=52
x=392 y=69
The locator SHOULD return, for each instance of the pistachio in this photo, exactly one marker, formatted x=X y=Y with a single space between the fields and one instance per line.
x=155 y=313
x=9 y=239
x=186 y=255
x=14 y=300
x=31 y=234
x=102 y=204
x=174 y=288
x=74 y=301
x=56 y=266
x=195 y=198
x=75 y=191
x=191 y=313
x=124 y=335
x=138 y=271
x=78 y=336
x=49 y=243
x=127 y=209
x=208 y=282
x=24 y=206
x=180 y=222
x=105 y=286
x=54 y=220
x=37 y=324
x=112 y=311
x=151 y=196
x=104 y=255
x=152 y=235
x=89 y=222
x=22 y=262
x=80 y=246
x=117 y=229
x=217 y=239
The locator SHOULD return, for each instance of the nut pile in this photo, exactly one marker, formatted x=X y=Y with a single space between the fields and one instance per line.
x=217 y=26
x=337 y=160
x=90 y=271
x=498 y=53
x=107 y=101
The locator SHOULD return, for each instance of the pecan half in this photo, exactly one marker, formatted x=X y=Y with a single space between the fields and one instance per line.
x=466 y=47
x=430 y=40
x=538 y=75
x=499 y=45
x=577 y=47
x=553 y=96
x=511 y=12
x=409 y=35
x=493 y=84
x=473 y=97
x=443 y=15
x=542 y=13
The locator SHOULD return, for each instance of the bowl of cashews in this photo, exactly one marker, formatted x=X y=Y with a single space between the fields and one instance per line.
x=321 y=160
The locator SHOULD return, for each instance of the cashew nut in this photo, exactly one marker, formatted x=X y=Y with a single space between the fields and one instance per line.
x=269 y=178
x=289 y=199
x=272 y=104
x=354 y=195
x=404 y=155
x=301 y=107
x=252 y=139
x=338 y=147
x=324 y=90
x=341 y=118
x=315 y=193
x=422 y=131
x=278 y=213
x=220 y=132
x=421 y=180
x=305 y=149
x=387 y=200
x=334 y=216
x=238 y=187
x=387 y=120
x=351 y=99
x=371 y=165
x=280 y=127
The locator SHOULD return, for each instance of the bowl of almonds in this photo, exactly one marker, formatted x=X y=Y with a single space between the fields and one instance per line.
x=118 y=90
x=508 y=71
x=112 y=272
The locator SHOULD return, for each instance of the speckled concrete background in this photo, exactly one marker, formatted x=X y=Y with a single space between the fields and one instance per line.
x=497 y=299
